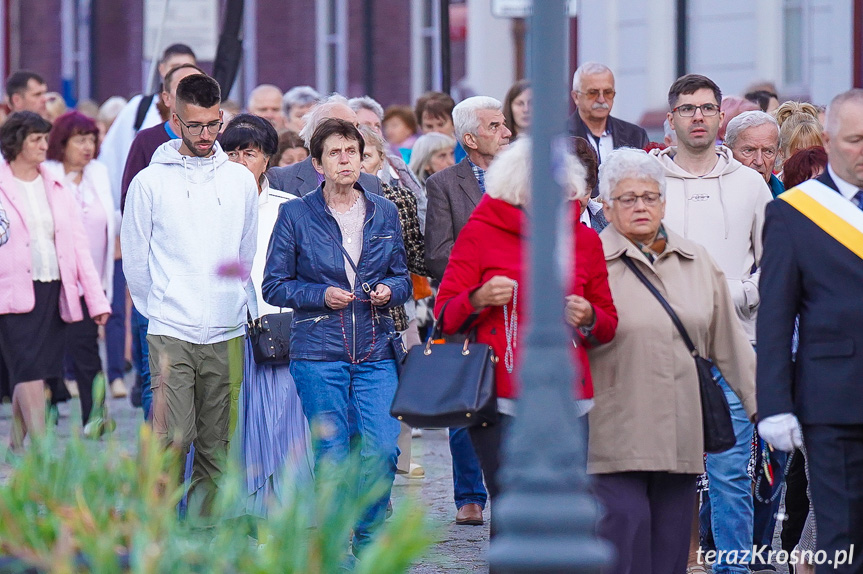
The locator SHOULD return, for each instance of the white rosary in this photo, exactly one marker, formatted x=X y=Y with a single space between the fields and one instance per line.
x=510 y=327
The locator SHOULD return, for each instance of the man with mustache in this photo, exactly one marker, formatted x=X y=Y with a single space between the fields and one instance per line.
x=714 y=200
x=593 y=93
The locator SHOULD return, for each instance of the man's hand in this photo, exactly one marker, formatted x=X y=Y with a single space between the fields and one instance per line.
x=336 y=298
x=782 y=431
x=579 y=312
x=381 y=295
x=101 y=319
x=495 y=292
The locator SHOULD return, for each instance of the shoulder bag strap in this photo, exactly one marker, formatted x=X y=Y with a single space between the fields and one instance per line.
x=655 y=292
x=143 y=108
x=366 y=287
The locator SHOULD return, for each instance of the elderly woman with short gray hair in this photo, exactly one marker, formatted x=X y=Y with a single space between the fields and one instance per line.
x=483 y=288
x=646 y=444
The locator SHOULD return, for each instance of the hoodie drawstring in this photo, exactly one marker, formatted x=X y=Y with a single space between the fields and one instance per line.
x=186 y=178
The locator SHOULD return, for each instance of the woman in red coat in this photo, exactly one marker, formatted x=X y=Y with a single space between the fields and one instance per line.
x=484 y=288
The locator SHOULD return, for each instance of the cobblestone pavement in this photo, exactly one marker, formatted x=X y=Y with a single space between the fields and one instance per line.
x=459 y=548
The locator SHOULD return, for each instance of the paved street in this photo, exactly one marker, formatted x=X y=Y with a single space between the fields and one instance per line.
x=460 y=548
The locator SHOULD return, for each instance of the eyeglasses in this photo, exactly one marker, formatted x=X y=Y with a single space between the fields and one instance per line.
x=688 y=110
x=197 y=129
x=650 y=199
x=593 y=94
x=750 y=152
x=247 y=155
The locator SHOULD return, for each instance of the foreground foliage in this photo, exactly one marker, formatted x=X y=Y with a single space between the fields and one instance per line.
x=76 y=509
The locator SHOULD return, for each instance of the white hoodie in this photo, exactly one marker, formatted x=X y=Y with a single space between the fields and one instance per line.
x=724 y=212
x=188 y=220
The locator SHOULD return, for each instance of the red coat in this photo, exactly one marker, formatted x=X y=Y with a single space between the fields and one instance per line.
x=491 y=244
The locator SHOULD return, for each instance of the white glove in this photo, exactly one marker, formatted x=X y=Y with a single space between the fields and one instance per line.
x=782 y=431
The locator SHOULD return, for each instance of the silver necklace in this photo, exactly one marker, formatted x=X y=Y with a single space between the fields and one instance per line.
x=510 y=327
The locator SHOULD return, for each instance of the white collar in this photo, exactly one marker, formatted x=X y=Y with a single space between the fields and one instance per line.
x=847 y=190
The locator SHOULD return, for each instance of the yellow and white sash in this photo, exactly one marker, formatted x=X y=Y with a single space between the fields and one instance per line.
x=830 y=211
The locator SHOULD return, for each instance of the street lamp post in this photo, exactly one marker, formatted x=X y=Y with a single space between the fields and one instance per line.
x=545 y=520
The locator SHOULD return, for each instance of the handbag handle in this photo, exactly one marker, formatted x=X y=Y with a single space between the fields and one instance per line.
x=665 y=305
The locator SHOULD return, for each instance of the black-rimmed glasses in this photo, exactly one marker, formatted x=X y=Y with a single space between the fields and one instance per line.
x=688 y=110
x=197 y=129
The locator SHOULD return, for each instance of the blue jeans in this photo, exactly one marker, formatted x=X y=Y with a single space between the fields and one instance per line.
x=328 y=390
x=731 y=509
x=115 y=328
x=141 y=356
x=467 y=482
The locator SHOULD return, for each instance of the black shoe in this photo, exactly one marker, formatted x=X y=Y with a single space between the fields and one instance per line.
x=135 y=394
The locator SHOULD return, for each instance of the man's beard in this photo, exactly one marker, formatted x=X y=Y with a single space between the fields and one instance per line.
x=195 y=151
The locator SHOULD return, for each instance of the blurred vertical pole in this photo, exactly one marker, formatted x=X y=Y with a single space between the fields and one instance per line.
x=682 y=39
x=369 y=46
x=67 y=51
x=84 y=54
x=445 y=49
x=545 y=519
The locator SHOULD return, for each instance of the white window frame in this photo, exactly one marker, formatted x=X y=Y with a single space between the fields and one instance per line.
x=324 y=40
x=422 y=70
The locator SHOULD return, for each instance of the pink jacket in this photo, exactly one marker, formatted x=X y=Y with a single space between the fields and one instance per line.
x=73 y=253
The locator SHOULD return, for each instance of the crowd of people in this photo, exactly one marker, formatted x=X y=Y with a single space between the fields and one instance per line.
x=361 y=226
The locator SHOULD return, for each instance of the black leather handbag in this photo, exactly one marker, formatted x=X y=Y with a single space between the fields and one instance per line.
x=447 y=384
x=271 y=338
x=715 y=414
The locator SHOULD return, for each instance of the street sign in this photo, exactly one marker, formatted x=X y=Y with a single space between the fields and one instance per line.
x=523 y=8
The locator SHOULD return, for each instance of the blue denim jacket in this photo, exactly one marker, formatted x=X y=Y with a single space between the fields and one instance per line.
x=303 y=260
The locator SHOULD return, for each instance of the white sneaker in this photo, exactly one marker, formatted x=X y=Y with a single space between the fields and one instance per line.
x=416 y=433
x=416 y=471
x=118 y=388
x=72 y=387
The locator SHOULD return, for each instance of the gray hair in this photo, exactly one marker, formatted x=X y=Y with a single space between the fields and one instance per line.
x=319 y=113
x=424 y=148
x=465 y=118
x=367 y=103
x=373 y=138
x=831 y=123
x=629 y=163
x=587 y=69
x=746 y=120
x=299 y=96
x=112 y=107
x=509 y=176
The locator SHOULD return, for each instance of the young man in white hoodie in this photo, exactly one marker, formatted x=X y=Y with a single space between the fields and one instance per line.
x=713 y=199
x=189 y=236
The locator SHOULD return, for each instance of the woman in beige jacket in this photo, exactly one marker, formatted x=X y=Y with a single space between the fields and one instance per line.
x=646 y=444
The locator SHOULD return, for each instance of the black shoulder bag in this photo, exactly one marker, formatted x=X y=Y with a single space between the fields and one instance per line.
x=271 y=338
x=716 y=416
x=447 y=385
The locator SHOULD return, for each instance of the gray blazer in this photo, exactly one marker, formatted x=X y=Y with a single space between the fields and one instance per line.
x=453 y=194
x=301 y=178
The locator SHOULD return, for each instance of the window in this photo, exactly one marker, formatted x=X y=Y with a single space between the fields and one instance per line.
x=331 y=19
x=796 y=41
x=425 y=46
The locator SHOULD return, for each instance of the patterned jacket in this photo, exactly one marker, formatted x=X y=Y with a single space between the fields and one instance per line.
x=406 y=202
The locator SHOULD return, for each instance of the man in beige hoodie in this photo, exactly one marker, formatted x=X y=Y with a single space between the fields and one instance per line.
x=715 y=200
